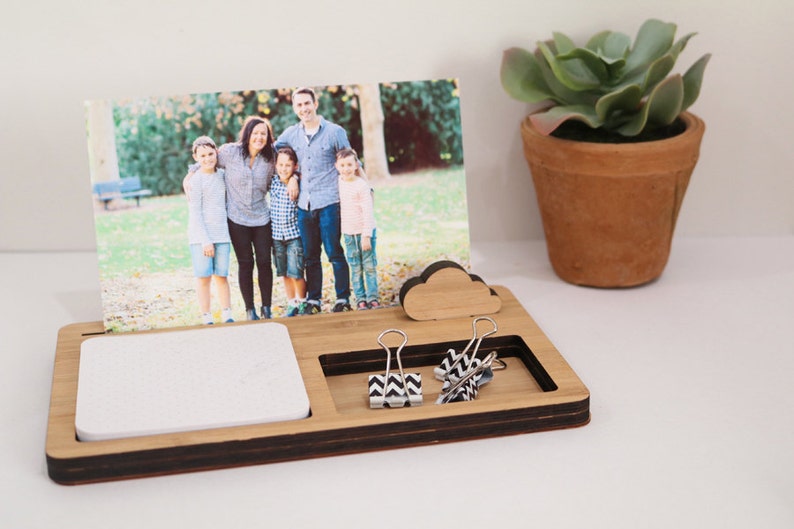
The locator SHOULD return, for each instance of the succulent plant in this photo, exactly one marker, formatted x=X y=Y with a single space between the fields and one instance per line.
x=608 y=84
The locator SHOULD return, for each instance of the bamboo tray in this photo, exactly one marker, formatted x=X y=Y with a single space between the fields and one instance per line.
x=336 y=353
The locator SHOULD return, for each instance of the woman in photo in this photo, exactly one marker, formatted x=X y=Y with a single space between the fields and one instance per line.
x=248 y=168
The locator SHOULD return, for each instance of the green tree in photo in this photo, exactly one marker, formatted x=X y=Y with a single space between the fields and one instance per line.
x=153 y=135
x=423 y=128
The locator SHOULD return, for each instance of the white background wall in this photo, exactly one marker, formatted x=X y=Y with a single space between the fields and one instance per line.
x=55 y=55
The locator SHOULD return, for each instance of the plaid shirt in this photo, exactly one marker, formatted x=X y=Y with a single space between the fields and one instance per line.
x=283 y=212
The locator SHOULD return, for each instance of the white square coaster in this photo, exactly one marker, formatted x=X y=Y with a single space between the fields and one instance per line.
x=153 y=383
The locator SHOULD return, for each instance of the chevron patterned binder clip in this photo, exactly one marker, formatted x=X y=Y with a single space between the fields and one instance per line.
x=462 y=373
x=394 y=390
x=455 y=365
x=468 y=386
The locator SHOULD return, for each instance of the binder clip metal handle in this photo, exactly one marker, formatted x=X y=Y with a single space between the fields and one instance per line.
x=451 y=365
x=393 y=390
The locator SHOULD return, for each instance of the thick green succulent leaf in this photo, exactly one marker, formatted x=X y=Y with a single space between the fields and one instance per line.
x=546 y=122
x=562 y=94
x=657 y=71
x=693 y=79
x=563 y=43
x=596 y=42
x=662 y=107
x=573 y=74
x=654 y=39
x=664 y=103
x=611 y=45
x=626 y=99
x=522 y=77
x=659 y=68
x=648 y=78
x=590 y=60
x=680 y=44
x=616 y=47
x=649 y=75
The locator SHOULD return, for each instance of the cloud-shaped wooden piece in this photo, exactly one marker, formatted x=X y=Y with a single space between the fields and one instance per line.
x=445 y=290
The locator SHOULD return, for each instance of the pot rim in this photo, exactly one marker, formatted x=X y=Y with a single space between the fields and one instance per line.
x=694 y=126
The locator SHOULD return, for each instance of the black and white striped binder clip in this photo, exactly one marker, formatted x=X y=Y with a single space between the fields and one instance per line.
x=468 y=386
x=462 y=373
x=395 y=390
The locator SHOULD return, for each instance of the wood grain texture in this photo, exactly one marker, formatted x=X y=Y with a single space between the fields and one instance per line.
x=336 y=353
x=445 y=290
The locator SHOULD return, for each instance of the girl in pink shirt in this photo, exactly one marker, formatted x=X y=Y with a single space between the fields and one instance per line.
x=358 y=229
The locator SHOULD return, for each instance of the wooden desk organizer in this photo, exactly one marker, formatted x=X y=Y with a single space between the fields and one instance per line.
x=336 y=353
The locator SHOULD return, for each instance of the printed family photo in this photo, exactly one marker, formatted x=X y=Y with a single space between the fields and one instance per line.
x=258 y=204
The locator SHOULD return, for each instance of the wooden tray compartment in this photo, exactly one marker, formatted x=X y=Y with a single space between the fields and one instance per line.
x=347 y=373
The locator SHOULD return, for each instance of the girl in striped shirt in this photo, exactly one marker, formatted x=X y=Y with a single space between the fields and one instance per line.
x=208 y=231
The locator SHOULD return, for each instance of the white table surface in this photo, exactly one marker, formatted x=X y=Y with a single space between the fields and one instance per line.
x=691 y=400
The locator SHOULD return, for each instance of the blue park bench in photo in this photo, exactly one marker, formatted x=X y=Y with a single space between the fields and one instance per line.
x=122 y=188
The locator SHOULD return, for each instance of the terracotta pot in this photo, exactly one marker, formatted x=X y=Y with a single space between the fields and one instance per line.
x=609 y=210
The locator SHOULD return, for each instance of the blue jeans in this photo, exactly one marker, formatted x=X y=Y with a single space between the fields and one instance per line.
x=204 y=266
x=363 y=268
x=288 y=258
x=322 y=228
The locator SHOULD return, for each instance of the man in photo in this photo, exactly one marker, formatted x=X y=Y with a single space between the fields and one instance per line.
x=316 y=141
